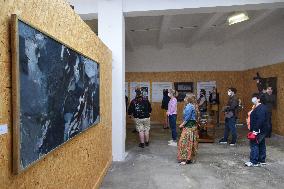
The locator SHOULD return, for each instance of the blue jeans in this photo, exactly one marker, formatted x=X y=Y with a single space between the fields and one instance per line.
x=230 y=125
x=173 y=124
x=257 y=151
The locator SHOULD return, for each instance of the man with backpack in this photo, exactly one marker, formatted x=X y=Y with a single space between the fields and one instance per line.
x=140 y=109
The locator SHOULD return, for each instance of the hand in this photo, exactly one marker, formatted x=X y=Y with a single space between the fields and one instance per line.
x=168 y=113
x=181 y=125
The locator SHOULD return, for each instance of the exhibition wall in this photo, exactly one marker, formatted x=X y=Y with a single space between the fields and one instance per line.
x=241 y=80
x=224 y=80
x=275 y=70
x=82 y=161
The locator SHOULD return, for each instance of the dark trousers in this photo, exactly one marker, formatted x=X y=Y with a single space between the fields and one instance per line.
x=173 y=124
x=230 y=125
x=257 y=151
x=269 y=127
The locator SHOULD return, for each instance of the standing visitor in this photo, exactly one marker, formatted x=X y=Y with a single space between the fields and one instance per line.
x=165 y=103
x=172 y=114
x=258 y=127
x=187 y=146
x=270 y=101
x=202 y=102
x=140 y=109
x=230 y=117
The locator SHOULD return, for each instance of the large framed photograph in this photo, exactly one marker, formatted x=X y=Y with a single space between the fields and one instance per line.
x=55 y=93
x=182 y=88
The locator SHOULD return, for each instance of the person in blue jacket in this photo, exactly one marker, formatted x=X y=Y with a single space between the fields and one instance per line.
x=259 y=126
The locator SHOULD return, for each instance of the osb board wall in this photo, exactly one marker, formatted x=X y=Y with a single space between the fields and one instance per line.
x=81 y=162
x=223 y=80
x=275 y=70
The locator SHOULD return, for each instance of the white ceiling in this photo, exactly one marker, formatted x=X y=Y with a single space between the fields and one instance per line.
x=189 y=29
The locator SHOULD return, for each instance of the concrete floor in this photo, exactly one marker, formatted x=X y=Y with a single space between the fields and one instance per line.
x=217 y=166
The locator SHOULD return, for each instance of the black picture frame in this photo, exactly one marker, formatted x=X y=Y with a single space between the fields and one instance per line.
x=182 y=88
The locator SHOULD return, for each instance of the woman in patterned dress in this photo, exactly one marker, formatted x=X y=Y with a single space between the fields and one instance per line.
x=187 y=146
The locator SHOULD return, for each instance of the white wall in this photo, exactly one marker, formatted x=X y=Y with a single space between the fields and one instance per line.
x=205 y=56
x=266 y=47
x=263 y=47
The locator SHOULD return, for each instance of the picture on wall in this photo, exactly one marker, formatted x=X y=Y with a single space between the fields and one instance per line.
x=55 y=94
x=182 y=88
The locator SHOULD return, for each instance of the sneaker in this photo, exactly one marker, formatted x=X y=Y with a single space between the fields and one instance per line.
x=232 y=144
x=170 y=141
x=262 y=163
x=189 y=162
x=141 y=145
x=172 y=144
x=182 y=163
x=222 y=141
x=250 y=164
x=146 y=143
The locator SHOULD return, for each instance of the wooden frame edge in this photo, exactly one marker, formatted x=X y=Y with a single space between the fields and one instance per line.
x=15 y=93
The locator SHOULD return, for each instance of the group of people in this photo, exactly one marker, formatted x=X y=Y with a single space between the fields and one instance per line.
x=259 y=122
x=140 y=110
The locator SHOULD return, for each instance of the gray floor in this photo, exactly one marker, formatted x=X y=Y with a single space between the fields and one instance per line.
x=217 y=166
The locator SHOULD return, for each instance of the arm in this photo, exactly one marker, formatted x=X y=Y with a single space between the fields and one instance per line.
x=149 y=107
x=187 y=116
x=202 y=100
x=172 y=107
x=131 y=108
x=233 y=105
x=261 y=115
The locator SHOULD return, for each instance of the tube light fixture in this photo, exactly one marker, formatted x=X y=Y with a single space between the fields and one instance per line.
x=237 y=18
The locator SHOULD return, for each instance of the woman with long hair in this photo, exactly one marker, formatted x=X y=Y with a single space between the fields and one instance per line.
x=188 y=144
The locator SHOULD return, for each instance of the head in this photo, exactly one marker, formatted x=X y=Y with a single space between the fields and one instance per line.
x=232 y=91
x=269 y=90
x=138 y=92
x=172 y=93
x=190 y=98
x=165 y=92
x=202 y=92
x=255 y=98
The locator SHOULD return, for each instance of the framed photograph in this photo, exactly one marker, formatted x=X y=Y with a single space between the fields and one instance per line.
x=182 y=88
x=55 y=93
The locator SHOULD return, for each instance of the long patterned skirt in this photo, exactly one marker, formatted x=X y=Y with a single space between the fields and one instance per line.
x=188 y=144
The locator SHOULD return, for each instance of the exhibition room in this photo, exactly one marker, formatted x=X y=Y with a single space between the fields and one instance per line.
x=141 y=94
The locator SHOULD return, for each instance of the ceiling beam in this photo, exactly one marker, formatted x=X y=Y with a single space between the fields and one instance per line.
x=204 y=28
x=129 y=41
x=249 y=24
x=166 y=20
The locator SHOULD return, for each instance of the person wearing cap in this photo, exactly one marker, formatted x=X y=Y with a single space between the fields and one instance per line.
x=140 y=108
x=230 y=117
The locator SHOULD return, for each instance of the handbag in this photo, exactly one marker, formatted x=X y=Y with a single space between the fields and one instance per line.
x=252 y=136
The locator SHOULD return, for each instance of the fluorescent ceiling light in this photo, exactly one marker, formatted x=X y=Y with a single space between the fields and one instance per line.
x=237 y=18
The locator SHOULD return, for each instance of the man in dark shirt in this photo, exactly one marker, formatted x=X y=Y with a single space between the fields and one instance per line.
x=140 y=109
x=270 y=101
x=230 y=117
